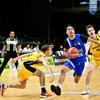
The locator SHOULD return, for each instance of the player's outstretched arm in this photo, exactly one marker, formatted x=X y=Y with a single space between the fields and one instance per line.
x=19 y=57
x=94 y=41
x=43 y=60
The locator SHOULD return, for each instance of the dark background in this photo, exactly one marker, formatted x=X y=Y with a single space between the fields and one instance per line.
x=45 y=20
x=24 y=17
x=64 y=12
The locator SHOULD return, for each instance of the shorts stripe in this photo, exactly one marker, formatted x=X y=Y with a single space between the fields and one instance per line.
x=70 y=62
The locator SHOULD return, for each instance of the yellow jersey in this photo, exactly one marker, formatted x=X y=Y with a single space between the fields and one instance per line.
x=23 y=73
x=95 y=48
x=32 y=57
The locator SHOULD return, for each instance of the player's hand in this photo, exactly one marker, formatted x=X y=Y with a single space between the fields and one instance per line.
x=72 y=56
x=17 y=54
x=66 y=54
x=2 y=54
x=52 y=78
x=14 y=60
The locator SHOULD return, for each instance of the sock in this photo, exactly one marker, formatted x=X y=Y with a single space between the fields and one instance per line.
x=6 y=85
x=60 y=85
x=86 y=87
x=43 y=90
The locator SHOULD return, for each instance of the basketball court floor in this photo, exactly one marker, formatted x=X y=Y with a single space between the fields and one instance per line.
x=70 y=90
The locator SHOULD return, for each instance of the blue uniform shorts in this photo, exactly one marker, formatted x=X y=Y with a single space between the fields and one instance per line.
x=78 y=67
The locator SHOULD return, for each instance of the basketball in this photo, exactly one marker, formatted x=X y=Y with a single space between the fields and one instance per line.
x=73 y=52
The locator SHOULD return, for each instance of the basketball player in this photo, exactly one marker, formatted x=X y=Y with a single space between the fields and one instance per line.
x=77 y=64
x=94 y=58
x=29 y=68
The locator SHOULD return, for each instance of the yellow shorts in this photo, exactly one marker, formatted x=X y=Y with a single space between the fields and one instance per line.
x=23 y=73
x=94 y=60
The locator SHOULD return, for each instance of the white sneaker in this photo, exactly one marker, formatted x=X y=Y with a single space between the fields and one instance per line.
x=84 y=92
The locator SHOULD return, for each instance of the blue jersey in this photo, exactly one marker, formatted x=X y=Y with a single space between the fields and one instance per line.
x=80 y=46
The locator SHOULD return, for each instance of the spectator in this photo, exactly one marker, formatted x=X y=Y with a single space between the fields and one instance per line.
x=36 y=48
x=27 y=49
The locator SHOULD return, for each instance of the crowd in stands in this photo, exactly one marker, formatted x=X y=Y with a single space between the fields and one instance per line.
x=34 y=46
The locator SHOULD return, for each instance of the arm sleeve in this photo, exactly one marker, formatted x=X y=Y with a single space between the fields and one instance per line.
x=65 y=44
x=84 y=38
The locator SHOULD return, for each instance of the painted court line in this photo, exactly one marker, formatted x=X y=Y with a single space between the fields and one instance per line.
x=90 y=93
x=73 y=93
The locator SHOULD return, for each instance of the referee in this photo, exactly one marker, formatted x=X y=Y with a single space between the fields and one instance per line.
x=10 y=45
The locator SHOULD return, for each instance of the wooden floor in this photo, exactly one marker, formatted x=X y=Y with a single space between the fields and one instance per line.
x=70 y=90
